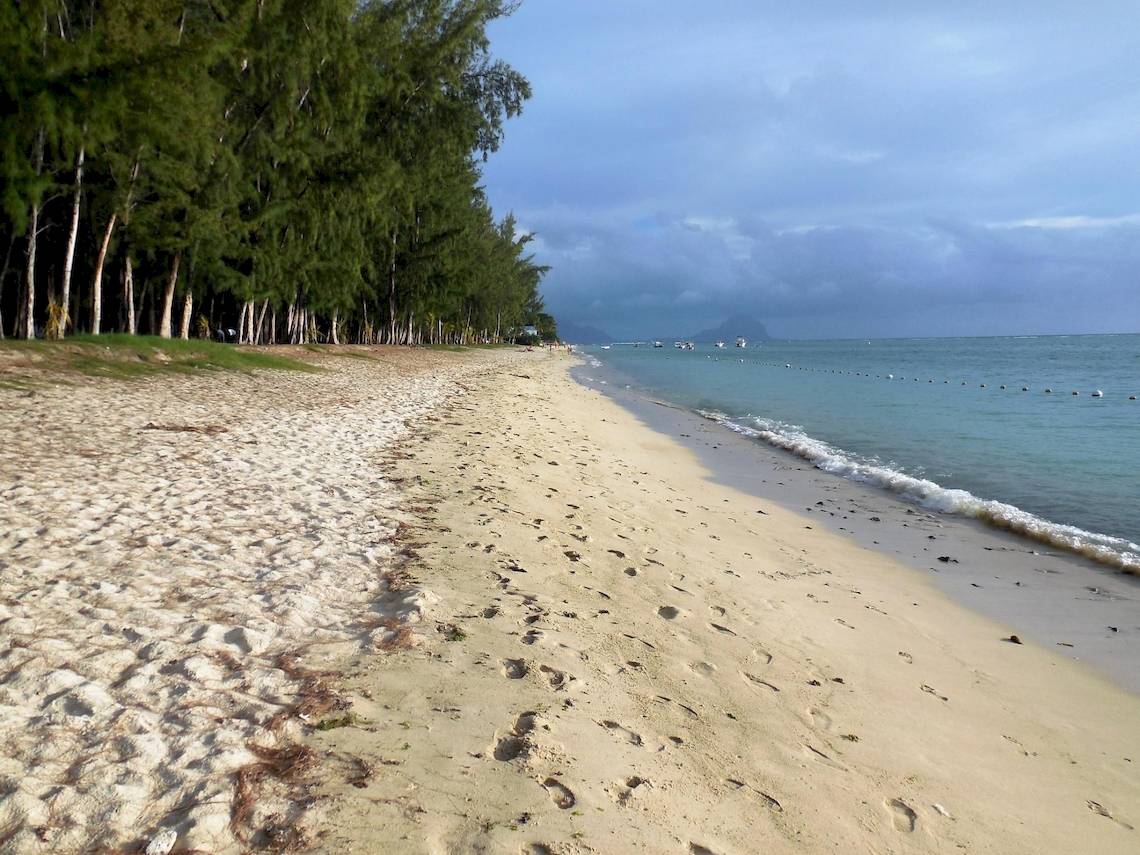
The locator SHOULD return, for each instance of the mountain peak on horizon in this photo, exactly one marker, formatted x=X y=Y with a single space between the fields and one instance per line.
x=736 y=325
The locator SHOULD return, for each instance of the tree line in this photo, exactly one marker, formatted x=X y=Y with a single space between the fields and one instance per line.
x=259 y=170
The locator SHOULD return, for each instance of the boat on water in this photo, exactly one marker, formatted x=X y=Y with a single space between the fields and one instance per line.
x=741 y=341
x=658 y=344
x=688 y=345
x=720 y=344
x=605 y=347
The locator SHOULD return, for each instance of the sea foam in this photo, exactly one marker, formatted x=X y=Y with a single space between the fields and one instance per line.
x=1102 y=548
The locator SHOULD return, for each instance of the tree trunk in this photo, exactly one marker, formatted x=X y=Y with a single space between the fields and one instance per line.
x=72 y=237
x=187 y=310
x=97 y=282
x=165 y=323
x=241 y=323
x=273 y=326
x=260 y=322
x=392 y=294
x=333 y=335
x=129 y=294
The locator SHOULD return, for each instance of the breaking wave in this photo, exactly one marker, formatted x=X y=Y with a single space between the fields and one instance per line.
x=1105 y=549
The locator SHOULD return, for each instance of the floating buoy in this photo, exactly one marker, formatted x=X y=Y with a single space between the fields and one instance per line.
x=890 y=376
x=787 y=365
x=1098 y=394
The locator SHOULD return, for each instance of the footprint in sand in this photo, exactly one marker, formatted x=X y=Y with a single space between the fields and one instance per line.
x=668 y=612
x=532 y=636
x=509 y=747
x=515 y=743
x=1101 y=810
x=625 y=790
x=705 y=669
x=557 y=679
x=762 y=656
x=823 y=758
x=560 y=794
x=514 y=669
x=630 y=571
x=756 y=681
x=622 y=732
x=902 y=817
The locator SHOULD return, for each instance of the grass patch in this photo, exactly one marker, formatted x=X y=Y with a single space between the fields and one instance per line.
x=128 y=357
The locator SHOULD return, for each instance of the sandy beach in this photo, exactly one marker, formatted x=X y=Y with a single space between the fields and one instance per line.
x=437 y=602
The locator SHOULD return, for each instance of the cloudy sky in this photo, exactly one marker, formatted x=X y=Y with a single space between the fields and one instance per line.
x=835 y=168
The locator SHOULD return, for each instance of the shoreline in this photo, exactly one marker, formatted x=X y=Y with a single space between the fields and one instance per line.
x=1055 y=597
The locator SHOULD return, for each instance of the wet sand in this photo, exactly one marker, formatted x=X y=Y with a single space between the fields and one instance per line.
x=1086 y=611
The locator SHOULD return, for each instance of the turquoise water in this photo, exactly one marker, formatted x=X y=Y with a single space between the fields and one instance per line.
x=1060 y=468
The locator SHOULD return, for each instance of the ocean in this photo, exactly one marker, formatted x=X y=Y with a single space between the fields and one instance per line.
x=988 y=428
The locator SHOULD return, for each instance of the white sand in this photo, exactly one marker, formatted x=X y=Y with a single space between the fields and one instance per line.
x=150 y=580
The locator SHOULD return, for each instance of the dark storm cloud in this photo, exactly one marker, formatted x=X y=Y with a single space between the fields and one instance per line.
x=838 y=169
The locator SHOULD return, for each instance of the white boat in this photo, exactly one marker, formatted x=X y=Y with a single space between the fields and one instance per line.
x=720 y=344
x=605 y=347
x=658 y=344
x=741 y=342
x=688 y=346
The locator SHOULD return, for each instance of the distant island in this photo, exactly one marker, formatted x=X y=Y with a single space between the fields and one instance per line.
x=582 y=333
x=737 y=325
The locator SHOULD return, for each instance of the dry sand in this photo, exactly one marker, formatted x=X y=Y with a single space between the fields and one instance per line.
x=166 y=595
x=544 y=630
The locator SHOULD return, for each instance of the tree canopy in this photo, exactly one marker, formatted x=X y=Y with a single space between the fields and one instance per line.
x=288 y=170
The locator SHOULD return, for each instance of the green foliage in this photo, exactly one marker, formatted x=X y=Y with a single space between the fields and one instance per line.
x=319 y=158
